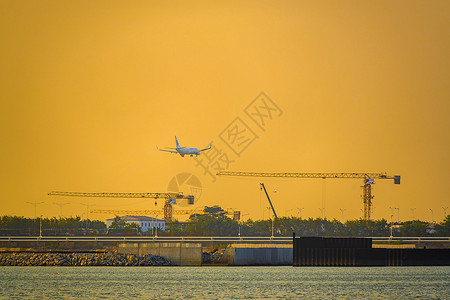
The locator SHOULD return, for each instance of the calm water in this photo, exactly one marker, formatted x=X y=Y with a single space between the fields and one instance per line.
x=225 y=282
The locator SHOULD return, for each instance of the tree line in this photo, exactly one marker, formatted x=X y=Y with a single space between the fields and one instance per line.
x=221 y=225
x=214 y=222
x=15 y=225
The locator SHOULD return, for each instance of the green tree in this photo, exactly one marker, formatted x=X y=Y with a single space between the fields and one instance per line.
x=174 y=228
x=443 y=228
x=213 y=222
x=367 y=228
x=414 y=228
x=118 y=223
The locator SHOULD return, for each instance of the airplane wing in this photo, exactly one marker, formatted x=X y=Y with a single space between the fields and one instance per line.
x=166 y=150
x=206 y=148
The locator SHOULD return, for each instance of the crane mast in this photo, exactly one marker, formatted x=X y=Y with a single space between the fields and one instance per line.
x=367 y=187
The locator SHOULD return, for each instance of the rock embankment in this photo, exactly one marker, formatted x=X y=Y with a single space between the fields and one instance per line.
x=81 y=259
x=213 y=257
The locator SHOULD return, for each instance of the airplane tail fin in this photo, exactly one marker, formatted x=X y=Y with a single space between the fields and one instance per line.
x=176 y=141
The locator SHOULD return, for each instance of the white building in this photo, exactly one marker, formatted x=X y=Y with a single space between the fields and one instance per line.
x=145 y=223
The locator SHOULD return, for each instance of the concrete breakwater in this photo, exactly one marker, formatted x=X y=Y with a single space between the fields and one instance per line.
x=258 y=255
x=181 y=254
x=191 y=254
x=81 y=259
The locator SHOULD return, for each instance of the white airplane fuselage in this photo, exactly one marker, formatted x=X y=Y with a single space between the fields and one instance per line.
x=188 y=151
x=184 y=150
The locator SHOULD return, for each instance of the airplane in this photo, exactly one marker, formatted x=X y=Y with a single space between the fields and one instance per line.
x=184 y=150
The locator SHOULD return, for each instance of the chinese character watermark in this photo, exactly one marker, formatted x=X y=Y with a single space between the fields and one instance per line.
x=238 y=136
x=213 y=161
x=262 y=109
x=188 y=184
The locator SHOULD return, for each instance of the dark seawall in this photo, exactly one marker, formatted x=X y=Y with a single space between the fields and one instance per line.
x=324 y=251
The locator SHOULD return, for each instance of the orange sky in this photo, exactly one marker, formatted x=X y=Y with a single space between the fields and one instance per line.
x=90 y=88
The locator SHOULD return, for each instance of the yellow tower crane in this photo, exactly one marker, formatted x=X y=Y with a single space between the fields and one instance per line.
x=367 y=187
x=170 y=200
x=150 y=212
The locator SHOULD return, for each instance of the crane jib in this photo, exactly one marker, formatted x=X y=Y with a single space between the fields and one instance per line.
x=369 y=179
x=122 y=195
x=381 y=175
